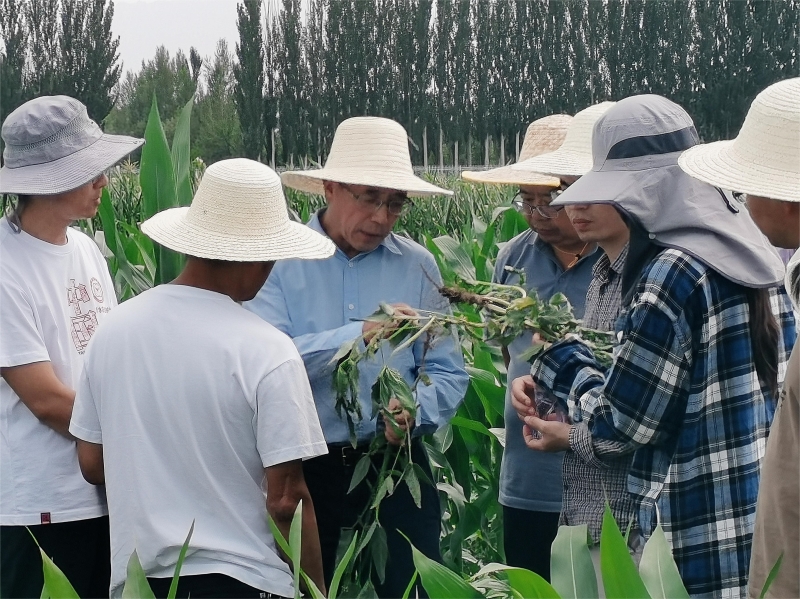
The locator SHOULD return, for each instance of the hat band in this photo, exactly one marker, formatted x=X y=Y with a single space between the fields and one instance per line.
x=80 y=133
x=648 y=145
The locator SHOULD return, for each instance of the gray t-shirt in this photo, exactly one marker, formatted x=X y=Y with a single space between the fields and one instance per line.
x=531 y=480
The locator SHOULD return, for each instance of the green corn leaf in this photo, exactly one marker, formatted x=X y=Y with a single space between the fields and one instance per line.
x=472 y=425
x=439 y=581
x=658 y=569
x=173 y=587
x=56 y=584
x=456 y=257
x=410 y=586
x=180 y=155
x=571 y=569
x=278 y=536
x=313 y=589
x=295 y=545
x=530 y=585
x=620 y=578
x=342 y=567
x=773 y=573
x=136 y=585
x=360 y=471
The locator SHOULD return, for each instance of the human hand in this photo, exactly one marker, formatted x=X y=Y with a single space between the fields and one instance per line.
x=384 y=329
x=397 y=422
x=549 y=435
x=522 y=392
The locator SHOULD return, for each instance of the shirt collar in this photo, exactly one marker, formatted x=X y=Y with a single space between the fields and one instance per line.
x=389 y=242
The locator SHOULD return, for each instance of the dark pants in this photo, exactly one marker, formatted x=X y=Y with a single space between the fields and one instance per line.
x=80 y=549
x=328 y=478
x=528 y=537
x=208 y=585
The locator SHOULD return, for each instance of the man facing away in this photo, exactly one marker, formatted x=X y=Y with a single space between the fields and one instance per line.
x=764 y=163
x=55 y=290
x=554 y=260
x=367 y=181
x=192 y=410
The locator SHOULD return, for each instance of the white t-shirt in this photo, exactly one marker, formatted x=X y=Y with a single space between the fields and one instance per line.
x=52 y=298
x=192 y=396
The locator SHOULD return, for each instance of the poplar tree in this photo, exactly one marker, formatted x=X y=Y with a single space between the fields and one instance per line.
x=249 y=76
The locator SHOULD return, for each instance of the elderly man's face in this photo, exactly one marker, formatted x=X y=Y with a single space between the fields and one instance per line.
x=359 y=217
x=779 y=221
x=555 y=230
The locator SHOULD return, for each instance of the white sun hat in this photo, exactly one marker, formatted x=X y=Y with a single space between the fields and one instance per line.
x=574 y=157
x=369 y=151
x=542 y=136
x=792 y=280
x=52 y=146
x=764 y=159
x=238 y=214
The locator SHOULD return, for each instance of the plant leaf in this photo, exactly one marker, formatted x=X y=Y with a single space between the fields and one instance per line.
x=136 y=585
x=295 y=545
x=410 y=476
x=456 y=257
x=658 y=570
x=56 y=583
x=771 y=576
x=439 y=581
x=173 y=587
x=620 y=578
x=360 y=471
x=571 y=569
x=342 y=567
x=180 y=155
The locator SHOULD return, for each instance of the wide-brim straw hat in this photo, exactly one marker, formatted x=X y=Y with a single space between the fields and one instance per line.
x=238 y=214
x=792 y=280
x=764 y=159
x=370 y=151
x=52 y=146
x=636 y=146
x=574 y=157
x=542 y=136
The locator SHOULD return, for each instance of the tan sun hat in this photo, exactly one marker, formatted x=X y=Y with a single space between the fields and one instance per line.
x=238 y=214
x=574 y=156
x=366 y=150
x=543 y=135
x=764 y=159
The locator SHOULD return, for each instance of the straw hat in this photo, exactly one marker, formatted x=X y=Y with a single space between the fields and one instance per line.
x=238 y=214
x=792 y=280
x=370 y=151
x=543 y=135
x=636 y=145
x=52 y=146
x=574 y=157
x=764 y=159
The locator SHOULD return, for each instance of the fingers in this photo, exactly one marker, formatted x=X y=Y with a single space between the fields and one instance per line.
x=552 y=435
x=522 y=389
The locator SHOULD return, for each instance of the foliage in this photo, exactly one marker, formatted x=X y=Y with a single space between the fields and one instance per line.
x=249 y=76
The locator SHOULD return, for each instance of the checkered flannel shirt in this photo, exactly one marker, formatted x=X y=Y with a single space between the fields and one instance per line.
x=588 y=482
x=682 y=393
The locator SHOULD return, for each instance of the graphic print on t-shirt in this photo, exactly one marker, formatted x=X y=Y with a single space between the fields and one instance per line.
x=83 y=324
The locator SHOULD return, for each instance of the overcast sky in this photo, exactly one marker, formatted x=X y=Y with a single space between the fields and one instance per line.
x=143 y=25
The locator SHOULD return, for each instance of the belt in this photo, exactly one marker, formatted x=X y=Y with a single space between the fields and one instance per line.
x=347 y=454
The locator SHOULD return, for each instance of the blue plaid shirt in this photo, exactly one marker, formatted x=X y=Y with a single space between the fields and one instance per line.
x=683 y=395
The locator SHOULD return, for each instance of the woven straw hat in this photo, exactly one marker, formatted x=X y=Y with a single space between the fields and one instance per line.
x=52 y=146
x=369 y=151
x=574 y=157
x=238 y=214
x=542 y=136
x=764 y=159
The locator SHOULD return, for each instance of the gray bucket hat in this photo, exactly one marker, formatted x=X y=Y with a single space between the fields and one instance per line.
x=635 y=150
x=52 y=146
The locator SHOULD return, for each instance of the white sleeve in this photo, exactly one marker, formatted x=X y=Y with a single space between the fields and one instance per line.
x=20 y=339
x=287 y=425
x=85 y=421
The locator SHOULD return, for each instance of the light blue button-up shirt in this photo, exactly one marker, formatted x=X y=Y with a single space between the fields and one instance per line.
x=315 y=302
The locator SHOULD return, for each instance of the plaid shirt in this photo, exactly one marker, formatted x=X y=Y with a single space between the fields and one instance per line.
x=683 y=393
x=588 y=482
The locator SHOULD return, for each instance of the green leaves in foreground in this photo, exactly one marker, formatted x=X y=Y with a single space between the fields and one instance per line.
x=571 y=569
x=658 y=569
x=620 y=577
x=56 y=585
x=439 y=581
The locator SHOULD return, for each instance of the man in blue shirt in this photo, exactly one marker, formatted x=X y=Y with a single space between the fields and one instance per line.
x=366 y=181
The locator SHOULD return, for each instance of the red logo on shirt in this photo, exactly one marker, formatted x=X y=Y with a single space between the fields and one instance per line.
x=83 y=325
x=97 y=290
x=45 y=517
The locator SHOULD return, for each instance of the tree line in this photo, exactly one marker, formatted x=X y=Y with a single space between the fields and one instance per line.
x=463 y=77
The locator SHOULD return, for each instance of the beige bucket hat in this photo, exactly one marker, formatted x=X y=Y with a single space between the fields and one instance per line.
x=574 y=156
x=542 y=136
x=764 y=159
x=366 y=150
x=238 y=214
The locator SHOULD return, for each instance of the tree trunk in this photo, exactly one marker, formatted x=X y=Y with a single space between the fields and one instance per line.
x=425 y=147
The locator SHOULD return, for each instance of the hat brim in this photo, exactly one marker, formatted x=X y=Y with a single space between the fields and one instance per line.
x=560 y=163
x=69 y=172
x=311 y=181
x=171 y=229
x=718 y=163
x=505 y=175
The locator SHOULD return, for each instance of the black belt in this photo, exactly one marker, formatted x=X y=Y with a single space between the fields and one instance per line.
x=347 y=454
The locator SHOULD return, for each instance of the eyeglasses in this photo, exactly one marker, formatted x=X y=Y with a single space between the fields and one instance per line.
x=527 y=210
x=370 y=200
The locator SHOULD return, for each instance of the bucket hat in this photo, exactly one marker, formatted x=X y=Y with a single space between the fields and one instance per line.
x=792 y=280
x=764 y=159
x=369 y=151
x=574 y=156
x=52 y=146
x=636 y=146
x=238 y=214
x=542 y=136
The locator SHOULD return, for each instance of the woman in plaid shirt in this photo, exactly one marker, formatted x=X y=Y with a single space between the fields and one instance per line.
x=703 y=346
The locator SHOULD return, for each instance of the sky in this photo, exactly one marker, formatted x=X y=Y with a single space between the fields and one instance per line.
x=143 y=25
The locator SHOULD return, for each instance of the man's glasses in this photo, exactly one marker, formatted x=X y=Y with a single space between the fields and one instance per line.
x=370 y=200
x=527 y=209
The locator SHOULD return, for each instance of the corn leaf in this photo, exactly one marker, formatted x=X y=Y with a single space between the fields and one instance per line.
x=295 y=545
x=136 y=585
x=342 y=567
x=620 y=578
x=439 y=581
x=658 y=569
x=56 y=584
x=456 y=257
x=773 y=573
x=523 y=583
x=173 y=587
x=571 y=569
x=180 y=155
